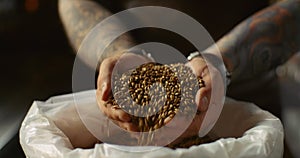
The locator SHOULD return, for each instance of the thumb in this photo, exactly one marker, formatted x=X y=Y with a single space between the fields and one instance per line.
x=104 y=78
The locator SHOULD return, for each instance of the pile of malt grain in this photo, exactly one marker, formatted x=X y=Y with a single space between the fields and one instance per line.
x=154 y=92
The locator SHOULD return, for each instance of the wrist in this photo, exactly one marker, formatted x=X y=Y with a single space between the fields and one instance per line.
x=214 y=61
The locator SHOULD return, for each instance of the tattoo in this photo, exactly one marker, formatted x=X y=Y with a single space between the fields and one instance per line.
x=263 y=41
x=79 y=17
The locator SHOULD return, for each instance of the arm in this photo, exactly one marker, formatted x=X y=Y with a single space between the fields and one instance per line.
x=80 y=16
x=263 y=41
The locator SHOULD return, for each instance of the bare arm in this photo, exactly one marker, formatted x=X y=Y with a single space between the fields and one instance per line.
x=80 y=16
x=263 y=41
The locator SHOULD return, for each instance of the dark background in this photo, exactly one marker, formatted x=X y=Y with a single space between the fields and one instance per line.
x=36 y=63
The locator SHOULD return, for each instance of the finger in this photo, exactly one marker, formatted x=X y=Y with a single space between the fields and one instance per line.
x=104 y=78
x=100 y=102
x=177 y=122
x=123 y=63
x=200 y=68
x=112 y=111
x=202 y=98
x=197 y=65
x=128 y=126
x=119 y=115
x=115 y=114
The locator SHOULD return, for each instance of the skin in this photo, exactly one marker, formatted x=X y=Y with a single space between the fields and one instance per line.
x=263 y=41
x=80 y=16
x=257 y=45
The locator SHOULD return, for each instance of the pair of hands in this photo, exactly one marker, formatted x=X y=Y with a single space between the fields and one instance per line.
x=121 y=118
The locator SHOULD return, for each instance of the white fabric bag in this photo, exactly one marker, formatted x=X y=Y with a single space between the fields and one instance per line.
x=245 y=130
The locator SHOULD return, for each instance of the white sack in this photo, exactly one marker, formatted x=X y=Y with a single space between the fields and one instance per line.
x=245 y=131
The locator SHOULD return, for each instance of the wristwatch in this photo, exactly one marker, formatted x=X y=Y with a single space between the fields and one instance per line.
x=215 y=61
x=194 y=55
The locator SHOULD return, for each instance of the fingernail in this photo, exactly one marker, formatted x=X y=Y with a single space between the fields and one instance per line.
x=103 y=86
x=204 y=72
x=103 y=89
x=125 y=118
x=204 y=103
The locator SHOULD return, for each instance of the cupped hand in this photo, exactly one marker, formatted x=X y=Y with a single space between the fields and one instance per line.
x=213 y=94
x=200 y=68
x=173 y=129
x=202 y=99
x=123 y=119
x=120 y=63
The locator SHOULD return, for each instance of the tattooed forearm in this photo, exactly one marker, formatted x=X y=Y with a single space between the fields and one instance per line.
x=263 y=41
x=80 y=16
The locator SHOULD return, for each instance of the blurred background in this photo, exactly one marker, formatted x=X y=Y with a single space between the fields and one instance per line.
x=36 y=63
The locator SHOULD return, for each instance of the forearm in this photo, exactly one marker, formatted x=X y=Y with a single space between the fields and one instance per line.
x=79 y=17
x=263 y=41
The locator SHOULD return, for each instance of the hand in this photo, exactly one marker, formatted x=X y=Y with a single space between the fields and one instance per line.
x=206 y=96
x=200 y=68
x=121 y=63
x=202 y=99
